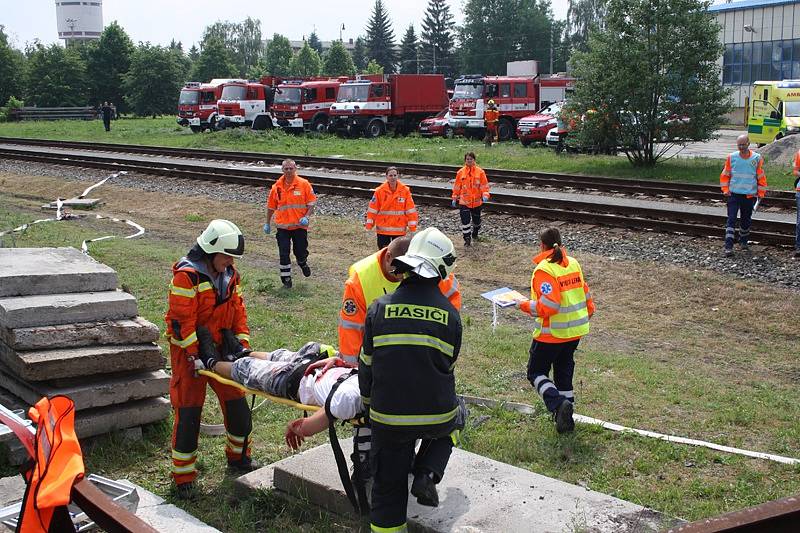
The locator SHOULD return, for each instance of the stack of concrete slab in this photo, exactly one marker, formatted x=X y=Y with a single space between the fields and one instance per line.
x=66 y=329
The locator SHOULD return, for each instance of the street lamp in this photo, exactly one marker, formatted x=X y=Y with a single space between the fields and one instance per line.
x=341 y=29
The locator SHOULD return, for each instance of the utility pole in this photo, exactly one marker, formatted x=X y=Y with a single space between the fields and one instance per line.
x=417 y=59
x=434 y=59
x=551 y=48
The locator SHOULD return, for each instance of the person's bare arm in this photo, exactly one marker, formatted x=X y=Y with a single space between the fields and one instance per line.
x=300 y=428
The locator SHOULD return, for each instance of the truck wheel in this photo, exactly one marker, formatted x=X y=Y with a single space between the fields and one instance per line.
x=319 y=124
x=261 y=123
x=448 y=132
x=525 y=142
x=196 y=129
x=505 y=129
x=374 y=129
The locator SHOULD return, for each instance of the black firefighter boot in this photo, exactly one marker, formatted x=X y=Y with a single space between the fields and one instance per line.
x=424 y=488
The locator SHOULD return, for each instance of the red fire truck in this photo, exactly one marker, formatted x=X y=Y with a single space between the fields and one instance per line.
x=515 y=97
x=197 y=104
x=305 y=104
x=247 y=103
x=373 y=104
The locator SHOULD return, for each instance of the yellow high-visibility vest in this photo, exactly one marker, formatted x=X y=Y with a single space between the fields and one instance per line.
x=572 y=319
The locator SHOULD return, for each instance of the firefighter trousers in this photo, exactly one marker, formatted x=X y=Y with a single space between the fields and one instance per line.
x=392 y=459
x=560 y=357
x=739 y=204
x=291 y=240
x=384 y=240
x=187 y=394
x=470 y=221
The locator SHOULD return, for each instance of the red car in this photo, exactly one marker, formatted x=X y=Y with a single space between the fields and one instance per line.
x=437 y=126
x=534 y=128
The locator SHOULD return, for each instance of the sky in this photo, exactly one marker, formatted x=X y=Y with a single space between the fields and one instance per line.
x=160 y=21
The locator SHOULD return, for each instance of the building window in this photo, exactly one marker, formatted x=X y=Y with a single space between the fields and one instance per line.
x=745 y=63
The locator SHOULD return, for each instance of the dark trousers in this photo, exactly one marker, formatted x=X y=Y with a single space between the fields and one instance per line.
x=384 y=240
x=107 y=124
x=559 y=357
x=470 y=221
x=739 y=203
x=392 y=458
x=288 y=240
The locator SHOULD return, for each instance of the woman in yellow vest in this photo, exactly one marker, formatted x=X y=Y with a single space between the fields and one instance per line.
x=561 y=305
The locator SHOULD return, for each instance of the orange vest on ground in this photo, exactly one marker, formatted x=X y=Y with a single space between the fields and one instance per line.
x=58 y=465
x=391 y=212
x=471 y=186
x=291 y=202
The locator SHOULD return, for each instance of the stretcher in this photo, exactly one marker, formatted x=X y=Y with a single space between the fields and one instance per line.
x=259 y=393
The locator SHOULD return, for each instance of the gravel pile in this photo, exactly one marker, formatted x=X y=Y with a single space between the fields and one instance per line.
x=765 y=264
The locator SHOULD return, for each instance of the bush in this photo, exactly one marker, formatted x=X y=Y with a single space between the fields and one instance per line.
x=13 y=103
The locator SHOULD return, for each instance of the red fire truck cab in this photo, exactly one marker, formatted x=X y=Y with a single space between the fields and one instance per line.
x=197 y=104
x=247 y=103
x=514 y=96
x=374 y=104
x=304 y=104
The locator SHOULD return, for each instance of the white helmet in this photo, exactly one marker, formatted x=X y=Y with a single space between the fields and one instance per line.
x=430 y=254
x=222 y=237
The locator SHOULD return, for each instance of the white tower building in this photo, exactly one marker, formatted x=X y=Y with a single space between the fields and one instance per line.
x=79 y=21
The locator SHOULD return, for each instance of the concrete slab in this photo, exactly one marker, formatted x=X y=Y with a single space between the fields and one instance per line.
x=41 y=365
x=127 y=331
x=77 y=203
x=11 y=490
x=476 y=494
x=67 y=308
x=93 y=391
x=163 y=516
x=92 y=422
x=25 y=271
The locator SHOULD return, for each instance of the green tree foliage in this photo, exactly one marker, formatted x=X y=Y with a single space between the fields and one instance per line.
x=438 y=32
x=380 y=38
x=498 y=31
x=306 y=62
x=409 y=52
x=184 y=62
x=338 y=61
x=154 y=80
x=584 y=16
x=651 y=75
x=214 y=62
x=12 y=69
x=56 y=77
x=277 y=56
x=373 y=68
x=194 y=53
x=107 y=63
x=315 y=43
x=241 y=39
x=359 y=54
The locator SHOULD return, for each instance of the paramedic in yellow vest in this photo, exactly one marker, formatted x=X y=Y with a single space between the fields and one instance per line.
x=391 y=211
x=796 y=172
x=561 y=306
x=741 y=181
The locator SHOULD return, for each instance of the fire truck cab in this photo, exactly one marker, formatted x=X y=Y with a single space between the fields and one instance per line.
x=247 y=103
x=197 y=104
x=514 y=96
x=304 y=104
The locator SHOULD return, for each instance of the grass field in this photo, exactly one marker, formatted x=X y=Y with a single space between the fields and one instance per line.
x=684 y=352
x=509 y=155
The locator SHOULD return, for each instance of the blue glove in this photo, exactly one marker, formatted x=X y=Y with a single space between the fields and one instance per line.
x=267 y=229
x=304 y=221
x=454 y=203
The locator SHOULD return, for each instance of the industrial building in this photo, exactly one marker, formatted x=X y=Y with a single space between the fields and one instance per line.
x=762 y=43
x=79 y=21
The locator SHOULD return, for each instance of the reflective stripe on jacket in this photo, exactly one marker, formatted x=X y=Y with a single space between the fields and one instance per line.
x=291 y=202
x=744 y=175
x=470 y=186
x=391 y=212
x=366 y=283
x=491 y=116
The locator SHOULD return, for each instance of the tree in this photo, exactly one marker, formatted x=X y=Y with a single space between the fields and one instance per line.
x=56 y=77
x=194 y=53
x=380 y=38
x=12 y=69
x=185 y=64
x=584 y=16
x=338 y=61
x=409 y=52
x=107 y=63
x=306 y=62
x=651 y=75
x=242 y=40
x=359 y=54
x=277 y=56
x=154 y=80
x=315 y=43
x=373 y=68
x=214 y=62
x=436 y=46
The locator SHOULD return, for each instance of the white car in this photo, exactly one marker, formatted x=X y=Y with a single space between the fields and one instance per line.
x=552 y=138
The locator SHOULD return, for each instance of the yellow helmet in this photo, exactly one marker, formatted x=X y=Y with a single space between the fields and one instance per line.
x=490 y=102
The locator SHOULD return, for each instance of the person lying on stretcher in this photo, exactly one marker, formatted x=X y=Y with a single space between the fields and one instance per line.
x=291 y=375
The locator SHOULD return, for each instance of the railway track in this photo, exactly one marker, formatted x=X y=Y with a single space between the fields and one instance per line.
x=647 y=188
x=670 y=218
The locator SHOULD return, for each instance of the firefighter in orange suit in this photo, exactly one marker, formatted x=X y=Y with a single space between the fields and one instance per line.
x=391 y=211
x=292 y=201
x=370 y=278
x=561 y=306
x=206 y=291
x=491 y=117
x=470 y=190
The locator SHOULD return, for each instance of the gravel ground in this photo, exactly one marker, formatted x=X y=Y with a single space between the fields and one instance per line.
x=761 y=263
